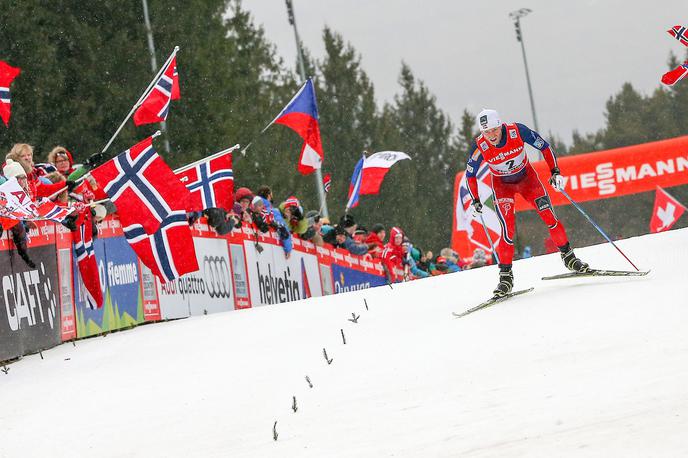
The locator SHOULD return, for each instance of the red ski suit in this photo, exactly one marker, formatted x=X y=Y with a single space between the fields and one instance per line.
x=512 y=173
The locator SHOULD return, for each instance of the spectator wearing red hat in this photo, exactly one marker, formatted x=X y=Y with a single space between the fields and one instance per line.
x=393 y=255
x=242 y=204
x=62 y=159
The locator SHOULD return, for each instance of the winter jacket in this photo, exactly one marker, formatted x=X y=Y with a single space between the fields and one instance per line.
x=284 y=234
x=375 y=245
x=297 y=226
x=393 y=256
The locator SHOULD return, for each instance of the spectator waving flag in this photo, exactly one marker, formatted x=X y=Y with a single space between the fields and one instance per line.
x=86 y=259
x=7 y=75
x=210 y=182
x=666 y=212
x=142 y=186
x=169 y=253
x=301 y=115
x=156 y=104
x=327 y=182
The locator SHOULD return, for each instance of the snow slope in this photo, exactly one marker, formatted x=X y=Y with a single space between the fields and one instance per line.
x=585 y=367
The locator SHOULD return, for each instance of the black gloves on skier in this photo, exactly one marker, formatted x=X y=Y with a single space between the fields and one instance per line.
x=556 y=180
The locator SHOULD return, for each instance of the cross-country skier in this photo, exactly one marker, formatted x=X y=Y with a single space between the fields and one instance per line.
x=503 y=147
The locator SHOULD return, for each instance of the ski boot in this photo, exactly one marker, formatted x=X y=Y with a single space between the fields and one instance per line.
x=571 y=261
x=506 y=281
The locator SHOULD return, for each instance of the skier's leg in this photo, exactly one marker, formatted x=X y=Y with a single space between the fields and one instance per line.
x=534 y=192
x=505 y=209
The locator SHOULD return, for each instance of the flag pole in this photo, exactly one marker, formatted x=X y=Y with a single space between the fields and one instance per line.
x=213 y=156
x=143 y=96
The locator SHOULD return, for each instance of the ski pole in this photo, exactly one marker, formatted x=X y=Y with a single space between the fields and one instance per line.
x=489 y=239
x=599 y=229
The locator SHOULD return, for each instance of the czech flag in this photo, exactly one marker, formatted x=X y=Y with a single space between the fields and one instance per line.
x=301 y=115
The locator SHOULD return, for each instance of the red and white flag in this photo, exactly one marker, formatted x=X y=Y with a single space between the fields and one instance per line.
x=666 y=212
x=210 y=183
x=169 y=253
x=327 y=182
x=50 y=210
x=156 y=105
x=142 y=186
x=7 y=75
x=86 y=259
x=376 y=167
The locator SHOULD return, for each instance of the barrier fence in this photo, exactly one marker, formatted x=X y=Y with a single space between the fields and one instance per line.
x=43 y=306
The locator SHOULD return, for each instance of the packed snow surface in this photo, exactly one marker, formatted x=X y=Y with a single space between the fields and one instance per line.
x=583 y=367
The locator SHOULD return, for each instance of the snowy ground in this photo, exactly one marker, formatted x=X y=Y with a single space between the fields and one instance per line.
x=585 y=367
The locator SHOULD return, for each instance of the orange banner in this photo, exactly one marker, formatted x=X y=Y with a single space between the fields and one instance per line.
x=617 y=172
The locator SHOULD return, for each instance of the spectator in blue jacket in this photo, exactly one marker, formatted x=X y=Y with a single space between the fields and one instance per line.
x=278 y=223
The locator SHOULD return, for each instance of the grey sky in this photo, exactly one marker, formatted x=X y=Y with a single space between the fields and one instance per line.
x=579 y=52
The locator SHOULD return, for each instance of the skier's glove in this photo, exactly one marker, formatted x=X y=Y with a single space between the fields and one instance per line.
x=556 y=180
x=477 y=210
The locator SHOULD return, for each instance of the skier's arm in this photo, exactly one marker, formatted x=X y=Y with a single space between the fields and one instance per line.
x=536 y=141
x=472 y=166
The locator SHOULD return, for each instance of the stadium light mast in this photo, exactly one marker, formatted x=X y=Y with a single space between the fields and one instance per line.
x=516 y=17
x=154 y=65
x=302 y=71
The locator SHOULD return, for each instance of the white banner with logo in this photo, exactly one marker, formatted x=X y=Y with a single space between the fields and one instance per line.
x=207 y=291
x=273 y=279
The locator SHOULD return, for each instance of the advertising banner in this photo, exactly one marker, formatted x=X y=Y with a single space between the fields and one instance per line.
x=275 y=279
x=209 y=290
x=347 y=279
x=29 y=315
x=242 y=298
x=120 y=278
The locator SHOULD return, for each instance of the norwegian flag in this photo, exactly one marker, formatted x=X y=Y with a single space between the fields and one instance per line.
x=680 y=33
x=169 y=253
x=666 y=212
x=7 y=75
x=156 y=105
x=142 y=186
x=50 y=210
x=327 y=182
x=210 y=183
x=674 y=76
x=86 y=259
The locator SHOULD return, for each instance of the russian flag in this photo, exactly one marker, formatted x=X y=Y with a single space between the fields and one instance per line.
x=355 y=186
x=370 y=172
x=301 y=115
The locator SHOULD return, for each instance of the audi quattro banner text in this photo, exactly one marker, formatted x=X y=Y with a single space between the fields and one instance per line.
x=29 y=316
x=208 y=290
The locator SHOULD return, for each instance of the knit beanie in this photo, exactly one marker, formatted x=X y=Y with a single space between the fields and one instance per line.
x=13 y=169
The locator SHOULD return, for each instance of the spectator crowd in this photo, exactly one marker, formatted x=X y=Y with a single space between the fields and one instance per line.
x=67 y=184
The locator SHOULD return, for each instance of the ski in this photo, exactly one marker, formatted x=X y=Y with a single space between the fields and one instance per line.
x=491 y=301
x=599 y=273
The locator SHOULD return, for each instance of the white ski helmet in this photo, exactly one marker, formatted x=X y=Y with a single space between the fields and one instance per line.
x=488 y=119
